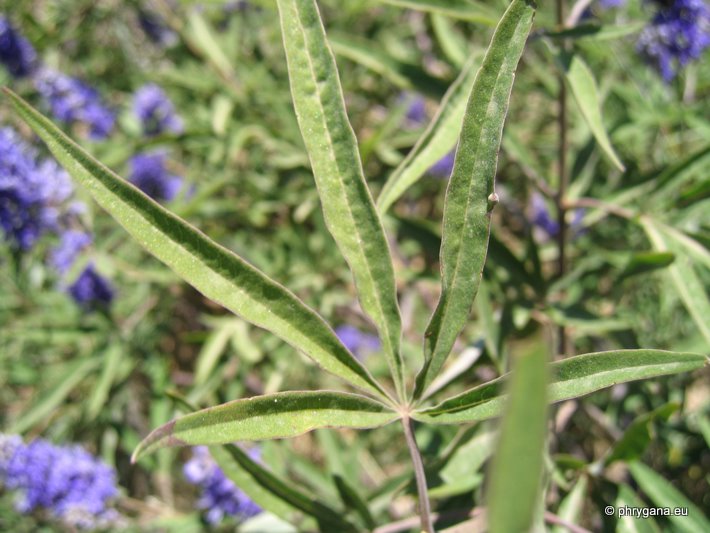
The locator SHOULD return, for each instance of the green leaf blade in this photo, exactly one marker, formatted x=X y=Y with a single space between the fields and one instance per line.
x=213 y=270
x=272 y=493
x=467 y=207
x=348 y=207
x=682 y=274
x=581 y=81
x=571 y=378
x=272 y=416
x=517 y=465
x=663 y=494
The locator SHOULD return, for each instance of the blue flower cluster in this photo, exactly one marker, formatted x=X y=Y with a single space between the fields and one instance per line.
x=358 y=342
x=155 y=29
x=155 y=111
x=31 y=191
x=33 y=202
x=678 y=34
x=444 y=166
x=541 y=218
x=70 y=100
x=150 y=175
x=16 y=53
x=220 y=496
x=66 y=481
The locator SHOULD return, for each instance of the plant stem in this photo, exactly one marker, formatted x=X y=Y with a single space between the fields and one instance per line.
x=420 y=476
x=563 y=176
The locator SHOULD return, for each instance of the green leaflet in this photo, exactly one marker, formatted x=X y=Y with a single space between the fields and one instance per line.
x=215 y=271
x=467 y=208
x=272 y=493
x=572 y=377
x=460 y=9
x=663 y=494
x=517 y=465
x=438 y=139
x=631 y=524
x=332 y=148
x=581 y=81
x=272 y=416
x=686 y=281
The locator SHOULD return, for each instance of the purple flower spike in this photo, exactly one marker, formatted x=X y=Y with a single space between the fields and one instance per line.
x=31 y=191
x=155 y=111
x=677 y=35
x=67 y=481
x=220 y=496
x=90 y=290
x=359 y=343
x=71 y=244
x=16 y=52
x=156 y=30
x=71 y=100
x=541 y=216
x=443 y=167
x=149 y=174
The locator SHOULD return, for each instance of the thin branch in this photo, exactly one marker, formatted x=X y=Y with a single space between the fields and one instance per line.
x=562 y=147
x=420 y=476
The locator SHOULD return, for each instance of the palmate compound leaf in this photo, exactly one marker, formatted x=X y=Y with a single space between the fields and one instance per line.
x=470 y=195
x=272 y=416
x=570 y=378
x=348 y=207
x=213 y=270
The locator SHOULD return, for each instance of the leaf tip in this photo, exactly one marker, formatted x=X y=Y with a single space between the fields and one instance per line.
x=161 y=437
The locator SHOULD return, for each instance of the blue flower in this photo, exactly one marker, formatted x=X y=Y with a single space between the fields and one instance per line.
x=220 y=496
x=677 y=35
x=70 y=100
x=541 y=218
x=31 y=190
x=71 y=244
x=155 y=111
x=155 y=29
x=358 y=342
x=149 y=174
x=443 y=167
x=67 y=481
x=16 y=53
x=90 y=290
